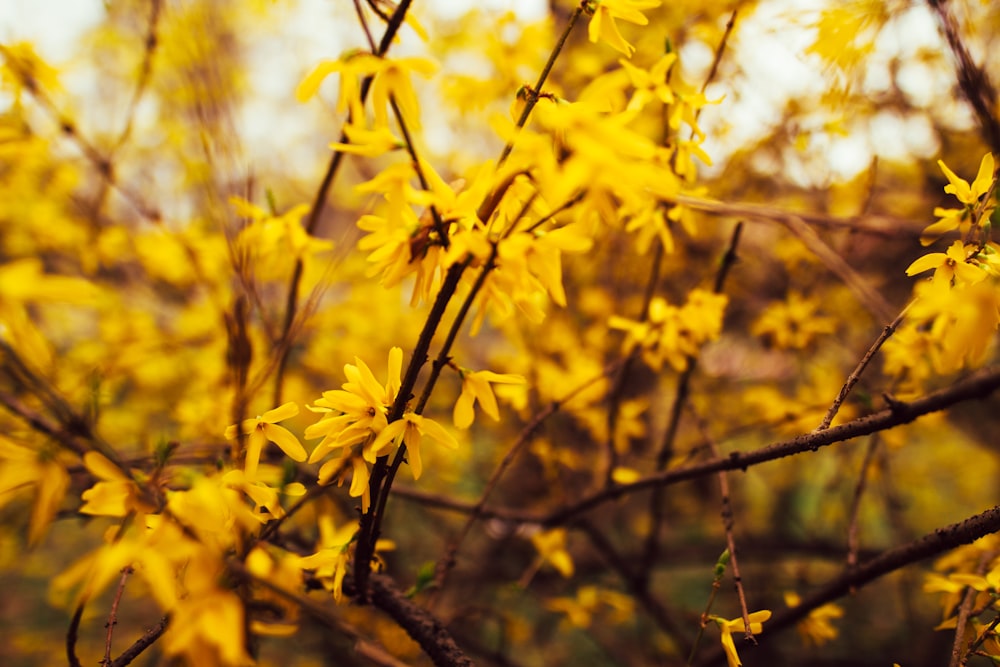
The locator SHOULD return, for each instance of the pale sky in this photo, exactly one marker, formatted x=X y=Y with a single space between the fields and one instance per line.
x=773 y=63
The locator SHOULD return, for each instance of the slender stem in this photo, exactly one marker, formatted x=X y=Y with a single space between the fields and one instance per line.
x=535 y=92
x=855 y=375
x=113 y=615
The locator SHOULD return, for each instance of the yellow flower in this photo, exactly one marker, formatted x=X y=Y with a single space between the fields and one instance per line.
x=409 y=431
x=208 y=629
x=727 y=628
x=816 y=629
x=24 y=468
x=650 y=84
x=393 y=81
x=116 y=494
x=965 y=193
x=551 y=546
x=354 y=416
x=793 y=323
x=363 y=405
x=476 y=386
x=674 y=334
x=351 y=65
x=948 y=265
x=369 y=143
x=263 y=429
x=969 y=195
x=602 y=22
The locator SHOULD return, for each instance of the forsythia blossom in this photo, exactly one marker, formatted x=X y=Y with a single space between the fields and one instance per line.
x=602 y=23
x=263 y=429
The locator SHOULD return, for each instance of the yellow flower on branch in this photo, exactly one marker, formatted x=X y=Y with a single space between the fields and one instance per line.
x=965 y=193
x=116 y=494
x=969 y=195
x=354 y=417
x=651 y=84
x=351 y=65
x=949 y=265
x=602 y=22
x=727 y=627
x=816 y=629
x=263 y=429
x=392 y=80
x=358 y=411
x=409 y=431
x=476 y=387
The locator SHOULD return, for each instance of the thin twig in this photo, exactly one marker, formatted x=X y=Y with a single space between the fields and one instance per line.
x=113 y=615
x=72 y=633
x=534 y=94
x=447 y=561
x=873 y=302
x=958 y=655
x=142 y=643
x=855 y=510
x=972 y=79
x=855 y=375
x=728 y=521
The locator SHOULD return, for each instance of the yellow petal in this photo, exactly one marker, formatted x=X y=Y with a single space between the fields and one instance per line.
x=284 y=438
x=280 y=413
x=926 y=263
x=309 y=85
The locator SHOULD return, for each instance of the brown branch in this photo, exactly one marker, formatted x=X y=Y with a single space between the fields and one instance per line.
x=972 y=79
x=855 y=375
x=142 y=643
x=368 y=530
x=423 y=628
x=72 y=633
x=977 y=385
x=113 y=615
x=885 y=226
x=928 y=546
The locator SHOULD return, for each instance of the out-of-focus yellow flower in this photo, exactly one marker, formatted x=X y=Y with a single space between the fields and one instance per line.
x=476 y=387
x=263 y=429
x=602 y=22
x=816 y=628
x=551 y=546
x=969 y=195
x=793 y=323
